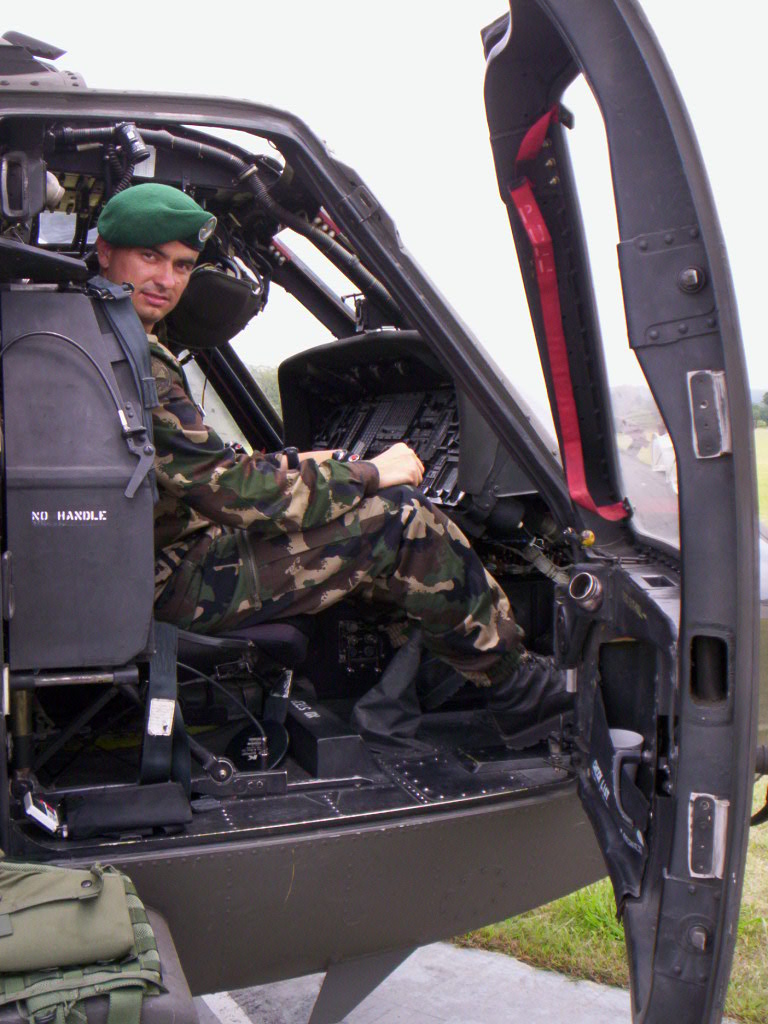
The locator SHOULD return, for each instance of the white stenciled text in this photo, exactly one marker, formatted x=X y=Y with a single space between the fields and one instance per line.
x=68 y=515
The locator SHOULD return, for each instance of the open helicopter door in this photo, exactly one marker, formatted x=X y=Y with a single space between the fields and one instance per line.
x=665 y=642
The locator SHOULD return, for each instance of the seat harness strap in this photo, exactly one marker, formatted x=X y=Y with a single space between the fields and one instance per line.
x=165 y=747
x=115 y=301
x=521 y=193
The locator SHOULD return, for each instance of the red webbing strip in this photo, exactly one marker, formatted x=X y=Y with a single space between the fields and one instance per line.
x=533 y=139
x=546 y=278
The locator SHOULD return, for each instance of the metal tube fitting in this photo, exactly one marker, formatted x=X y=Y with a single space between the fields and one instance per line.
x=586 y=591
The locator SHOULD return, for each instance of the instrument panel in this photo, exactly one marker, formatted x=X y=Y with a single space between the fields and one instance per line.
x=367 y=392
x=427 y=421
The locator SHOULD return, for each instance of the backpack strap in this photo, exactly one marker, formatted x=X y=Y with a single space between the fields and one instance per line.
x=125 y=1005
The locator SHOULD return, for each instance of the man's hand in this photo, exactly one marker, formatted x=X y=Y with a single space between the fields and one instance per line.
x=399 y=465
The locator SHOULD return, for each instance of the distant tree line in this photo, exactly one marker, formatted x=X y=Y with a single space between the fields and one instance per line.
x=760 y=411
x=266 y=378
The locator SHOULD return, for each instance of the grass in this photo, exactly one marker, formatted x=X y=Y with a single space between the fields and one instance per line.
x=580 y=936
x=577 y=935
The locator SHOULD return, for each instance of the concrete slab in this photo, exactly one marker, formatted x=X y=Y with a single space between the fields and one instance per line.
x=438 y=984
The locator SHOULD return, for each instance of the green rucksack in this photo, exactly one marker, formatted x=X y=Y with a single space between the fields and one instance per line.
x=98 y=909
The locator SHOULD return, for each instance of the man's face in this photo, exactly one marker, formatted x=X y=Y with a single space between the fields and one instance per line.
x=158 y=274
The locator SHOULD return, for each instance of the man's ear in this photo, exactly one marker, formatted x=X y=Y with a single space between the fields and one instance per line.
x=104 y=252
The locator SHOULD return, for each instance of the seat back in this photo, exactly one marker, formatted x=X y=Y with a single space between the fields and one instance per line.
x=79 y=555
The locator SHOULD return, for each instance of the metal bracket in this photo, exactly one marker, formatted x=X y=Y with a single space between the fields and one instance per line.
x=246 y=784
x=107 y=291
x=243 y=666
x=140 y=446
x=667 y=294
x=361 y=202
x=678 y=330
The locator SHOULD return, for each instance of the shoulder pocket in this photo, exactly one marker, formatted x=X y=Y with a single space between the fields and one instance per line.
x=57 y=917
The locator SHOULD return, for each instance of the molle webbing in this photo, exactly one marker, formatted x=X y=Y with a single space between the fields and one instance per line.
x=57 y=995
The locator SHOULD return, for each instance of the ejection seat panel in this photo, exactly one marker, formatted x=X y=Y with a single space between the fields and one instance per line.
x=78 y=564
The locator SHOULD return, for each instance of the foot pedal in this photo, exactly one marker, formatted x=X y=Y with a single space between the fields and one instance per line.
x=495 y=759
x=538 y=732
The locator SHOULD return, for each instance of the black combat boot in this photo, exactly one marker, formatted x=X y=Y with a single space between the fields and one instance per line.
x=531 y=702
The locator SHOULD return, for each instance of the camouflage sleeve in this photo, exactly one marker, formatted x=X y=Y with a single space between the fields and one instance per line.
x=247 y=491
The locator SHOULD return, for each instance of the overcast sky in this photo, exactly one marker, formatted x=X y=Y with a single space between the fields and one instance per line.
x=395 y=89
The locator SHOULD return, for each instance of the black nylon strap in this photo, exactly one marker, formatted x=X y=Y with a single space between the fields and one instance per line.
x=181 y=764
x=160 y=715
x=118 y=309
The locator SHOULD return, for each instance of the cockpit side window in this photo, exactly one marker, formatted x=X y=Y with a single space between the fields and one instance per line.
x=215 y=411
x=646 y=454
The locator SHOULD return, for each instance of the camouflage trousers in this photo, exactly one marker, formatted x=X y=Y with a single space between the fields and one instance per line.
x=395 y=550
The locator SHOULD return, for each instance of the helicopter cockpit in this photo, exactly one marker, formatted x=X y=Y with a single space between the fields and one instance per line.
x=300 y=722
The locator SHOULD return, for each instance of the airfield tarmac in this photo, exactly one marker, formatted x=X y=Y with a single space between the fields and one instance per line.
x=438 y=984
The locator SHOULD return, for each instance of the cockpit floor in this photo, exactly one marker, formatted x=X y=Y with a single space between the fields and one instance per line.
x=455 y=759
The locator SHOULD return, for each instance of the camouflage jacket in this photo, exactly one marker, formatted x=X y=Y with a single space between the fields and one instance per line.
x=207 y=487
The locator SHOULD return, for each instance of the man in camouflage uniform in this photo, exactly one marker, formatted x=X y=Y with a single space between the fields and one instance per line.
x=243 y=539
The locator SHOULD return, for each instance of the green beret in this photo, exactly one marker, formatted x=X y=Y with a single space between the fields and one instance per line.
x=151 y=214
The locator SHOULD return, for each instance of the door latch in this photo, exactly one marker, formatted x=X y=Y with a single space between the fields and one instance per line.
x=708 y=398
x=707 y=829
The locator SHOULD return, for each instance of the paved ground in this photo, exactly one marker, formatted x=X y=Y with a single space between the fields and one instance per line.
x=438 y=984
